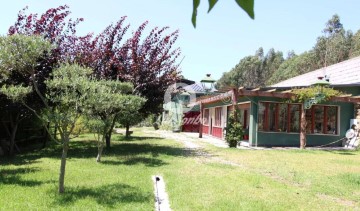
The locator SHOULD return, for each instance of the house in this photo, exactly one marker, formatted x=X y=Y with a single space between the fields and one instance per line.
x=270 y=119
x=177 y=115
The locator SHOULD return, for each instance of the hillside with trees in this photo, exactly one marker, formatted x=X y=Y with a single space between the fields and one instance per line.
x=335 y=45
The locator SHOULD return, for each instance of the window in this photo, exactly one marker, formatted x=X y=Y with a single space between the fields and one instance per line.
x=294 y=118
x=279 y=117
x=283 y=117
x=262 y=116
x=318 y=123
x=206 y=117
x=218 y=117
x=322 y=120
x=244 y=116
x=331 y=119
x=272 y=117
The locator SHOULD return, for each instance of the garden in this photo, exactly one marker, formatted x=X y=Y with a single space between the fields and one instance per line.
x=216 y=179
x=62 y=97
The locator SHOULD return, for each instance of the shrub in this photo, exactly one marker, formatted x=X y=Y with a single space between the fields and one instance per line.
x=234 y=130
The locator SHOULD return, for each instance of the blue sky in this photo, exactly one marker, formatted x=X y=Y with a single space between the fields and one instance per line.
x=221 y=38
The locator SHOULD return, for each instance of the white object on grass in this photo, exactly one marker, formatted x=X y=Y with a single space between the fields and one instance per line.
x=161 y=197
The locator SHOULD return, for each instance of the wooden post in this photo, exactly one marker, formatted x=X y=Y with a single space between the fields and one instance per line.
x=234 y=99
x=201 y=120
x=303 y=128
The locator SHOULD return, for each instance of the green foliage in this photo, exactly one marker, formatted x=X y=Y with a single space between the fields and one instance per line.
x=151 y=121
x=166 y=126
x=131 y=115
x=69 y=86
x=333 y=46
x=252 y=71
x=105 y=97
x=15 y=93
x=246 y=5
x=333 y=25
x=355 y=45
x=333 y=49
x=105 y=102
x=81 y=126
x=303 y=94
x=67 y=93
x=234 y=130
x=21 y=53
x=296 y=65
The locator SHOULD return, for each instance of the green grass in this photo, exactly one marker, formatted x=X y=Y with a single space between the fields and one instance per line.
x=261 y=180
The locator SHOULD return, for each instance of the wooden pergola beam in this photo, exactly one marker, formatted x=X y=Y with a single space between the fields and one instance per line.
x=345 y=99
x=264 y=94
x=217 y=97
x=346 y=95
x=271 y=90
x=272 y=93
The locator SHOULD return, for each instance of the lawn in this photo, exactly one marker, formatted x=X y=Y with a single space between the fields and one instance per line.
x=223 y=179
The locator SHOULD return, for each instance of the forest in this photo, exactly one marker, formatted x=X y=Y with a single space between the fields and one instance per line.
x=334 y=45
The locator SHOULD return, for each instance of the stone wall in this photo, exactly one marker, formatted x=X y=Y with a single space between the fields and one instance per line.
x=357 y=113
x=357 y=116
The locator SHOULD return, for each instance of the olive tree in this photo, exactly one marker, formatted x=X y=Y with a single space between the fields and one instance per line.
x=20 y=58
x=106 y=102
x=66 y=93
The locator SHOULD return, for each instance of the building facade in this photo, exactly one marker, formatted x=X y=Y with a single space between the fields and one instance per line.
x=269 y=118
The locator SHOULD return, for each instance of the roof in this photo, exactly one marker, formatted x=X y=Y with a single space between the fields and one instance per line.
x=197 y=88
x=185 y=81
x=343 y=73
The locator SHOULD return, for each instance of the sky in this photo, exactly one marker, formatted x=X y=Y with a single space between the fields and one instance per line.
x=222 y=37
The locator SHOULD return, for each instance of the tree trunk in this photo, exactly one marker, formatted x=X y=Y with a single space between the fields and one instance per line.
x=302 y=128
x=100 y=150
x=46 y=135
x=12 y=139
x=14 y=125
x=107 y=140
x=62 y=166
x=127 y=131
x=109 y=133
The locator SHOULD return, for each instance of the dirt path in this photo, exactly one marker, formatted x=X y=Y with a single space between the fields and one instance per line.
x=189 y=141
x=193 y=143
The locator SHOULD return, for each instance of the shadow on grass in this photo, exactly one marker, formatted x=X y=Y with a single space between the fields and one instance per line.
x=320 y=150
x=344 y=153
x=107 y=195
x=88 y=149
x=134 y=138
x=149 y=162
x=13 y=177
